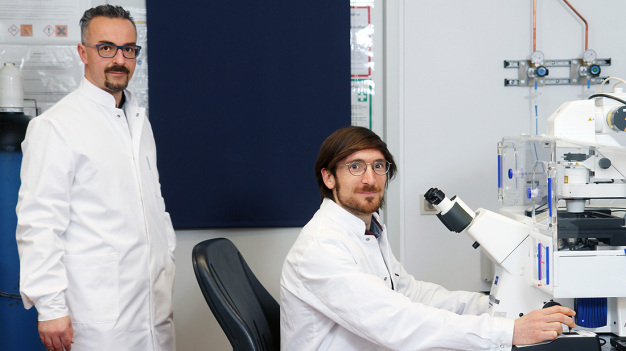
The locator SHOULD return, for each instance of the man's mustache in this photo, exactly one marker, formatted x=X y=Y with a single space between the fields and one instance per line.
x=368 y=188
x=121 y=69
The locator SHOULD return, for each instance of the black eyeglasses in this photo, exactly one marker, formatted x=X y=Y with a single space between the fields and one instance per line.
x=110 y=50
x=358 y=168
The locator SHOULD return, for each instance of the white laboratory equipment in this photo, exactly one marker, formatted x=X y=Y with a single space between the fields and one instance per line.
x=560 y=235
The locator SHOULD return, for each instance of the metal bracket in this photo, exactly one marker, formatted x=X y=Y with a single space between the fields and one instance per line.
x=524 y=80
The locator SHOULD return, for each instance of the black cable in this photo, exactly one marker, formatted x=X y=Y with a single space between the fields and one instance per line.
x=10 y=296
x=606 y=96
x=613 y=209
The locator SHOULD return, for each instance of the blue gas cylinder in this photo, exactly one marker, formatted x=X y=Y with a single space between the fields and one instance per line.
x=18 y=327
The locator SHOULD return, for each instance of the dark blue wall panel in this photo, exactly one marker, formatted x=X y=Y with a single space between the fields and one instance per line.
x=242 y=94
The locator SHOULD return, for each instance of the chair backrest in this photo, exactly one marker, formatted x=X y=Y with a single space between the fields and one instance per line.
x=248 y=314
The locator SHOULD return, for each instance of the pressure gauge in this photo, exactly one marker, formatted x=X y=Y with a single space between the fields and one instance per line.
x=590 y=56
x=536 y=57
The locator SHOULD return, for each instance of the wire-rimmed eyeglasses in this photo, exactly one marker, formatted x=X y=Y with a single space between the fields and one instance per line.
x=357 y=168
x=110 y=50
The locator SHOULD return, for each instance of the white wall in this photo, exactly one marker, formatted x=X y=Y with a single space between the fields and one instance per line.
x=454 y=107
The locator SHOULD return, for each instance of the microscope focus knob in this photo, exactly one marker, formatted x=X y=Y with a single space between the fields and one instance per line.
x=604 y=163
x=550 y=304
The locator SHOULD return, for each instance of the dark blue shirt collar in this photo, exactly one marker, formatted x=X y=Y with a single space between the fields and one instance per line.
x=375 y=228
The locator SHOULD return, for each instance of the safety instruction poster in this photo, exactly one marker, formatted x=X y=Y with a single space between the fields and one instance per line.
x=361 y=40
x=41 y=21
x=361 y=102
x=362 y=84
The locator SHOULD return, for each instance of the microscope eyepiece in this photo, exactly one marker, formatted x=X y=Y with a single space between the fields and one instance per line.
x=434 y=196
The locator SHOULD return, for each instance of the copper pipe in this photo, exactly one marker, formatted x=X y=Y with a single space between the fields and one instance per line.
x=586 y=25
x=534 y=25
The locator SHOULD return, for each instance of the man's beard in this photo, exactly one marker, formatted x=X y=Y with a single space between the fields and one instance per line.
x=116 y=87
x=373 y=204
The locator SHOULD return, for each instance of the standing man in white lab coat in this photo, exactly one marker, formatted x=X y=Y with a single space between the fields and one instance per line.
x=95 y=243
x=342 y=289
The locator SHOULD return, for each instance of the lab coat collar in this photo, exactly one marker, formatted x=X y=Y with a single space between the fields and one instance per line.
x=346 y=219
x=100 y=96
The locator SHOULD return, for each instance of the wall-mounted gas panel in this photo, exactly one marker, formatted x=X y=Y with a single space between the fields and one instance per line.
x=536 y=71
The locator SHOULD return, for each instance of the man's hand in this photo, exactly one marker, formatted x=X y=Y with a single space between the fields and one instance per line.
x=57 y=334
x=542 y=325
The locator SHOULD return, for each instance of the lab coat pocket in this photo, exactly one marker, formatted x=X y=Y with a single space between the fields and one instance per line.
x=93 y=289
x=153 y=179
x=152 y=170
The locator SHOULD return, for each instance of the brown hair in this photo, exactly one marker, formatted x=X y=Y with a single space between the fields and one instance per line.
x=341 y=144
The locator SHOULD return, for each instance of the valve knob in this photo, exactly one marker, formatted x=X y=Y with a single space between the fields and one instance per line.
x=542 y=71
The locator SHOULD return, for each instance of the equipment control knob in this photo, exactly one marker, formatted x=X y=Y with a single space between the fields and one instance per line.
x=537 y=72
x=616 y=118
x=604 y=163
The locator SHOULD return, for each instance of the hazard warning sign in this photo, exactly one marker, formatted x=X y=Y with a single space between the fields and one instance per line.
x=26 y=30
x=14 y=30
x=61 y=30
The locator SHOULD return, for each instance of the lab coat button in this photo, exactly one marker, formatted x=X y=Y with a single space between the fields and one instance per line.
x=137 y=115
x=385 y=278
x=367 y=239
x=118 y=116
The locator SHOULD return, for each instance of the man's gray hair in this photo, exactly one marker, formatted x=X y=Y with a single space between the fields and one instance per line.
x=109 y=11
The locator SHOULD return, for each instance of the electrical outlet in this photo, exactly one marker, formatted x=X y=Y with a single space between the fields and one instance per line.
x=426 y=207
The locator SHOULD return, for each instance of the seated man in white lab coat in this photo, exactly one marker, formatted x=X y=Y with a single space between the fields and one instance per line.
x=342 y=289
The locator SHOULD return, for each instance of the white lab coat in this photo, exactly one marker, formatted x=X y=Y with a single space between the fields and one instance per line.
x=93 y=236
x=336 y=295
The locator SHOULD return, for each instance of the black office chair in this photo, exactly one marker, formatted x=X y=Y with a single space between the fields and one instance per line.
x=248 y=314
